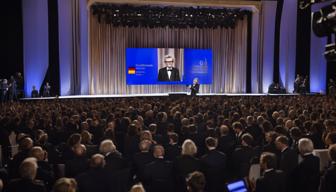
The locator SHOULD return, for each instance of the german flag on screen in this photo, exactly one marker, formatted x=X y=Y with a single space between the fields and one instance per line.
x=131 y=70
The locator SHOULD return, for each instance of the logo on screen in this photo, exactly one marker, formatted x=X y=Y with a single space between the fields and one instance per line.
x=131 y=70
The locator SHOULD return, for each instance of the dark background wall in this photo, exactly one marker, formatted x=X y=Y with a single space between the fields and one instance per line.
x=11 y=51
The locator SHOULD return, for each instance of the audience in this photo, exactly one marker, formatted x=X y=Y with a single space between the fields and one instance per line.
x=112 y=144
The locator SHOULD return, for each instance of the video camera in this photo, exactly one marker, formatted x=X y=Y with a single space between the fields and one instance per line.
x=324 y=25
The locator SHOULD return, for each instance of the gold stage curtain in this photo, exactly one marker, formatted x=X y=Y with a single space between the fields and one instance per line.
x=107 y=67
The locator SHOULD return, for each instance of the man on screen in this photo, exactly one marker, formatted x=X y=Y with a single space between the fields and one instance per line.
x=169 y=72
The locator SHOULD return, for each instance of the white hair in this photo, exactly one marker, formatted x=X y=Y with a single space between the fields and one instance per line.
x=107 y=146
x=305 y=146
x=189 y=148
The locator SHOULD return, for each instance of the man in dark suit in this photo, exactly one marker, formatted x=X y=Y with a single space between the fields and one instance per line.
x=307 y=174
x=78 y=164
x=159 y=173
x=272 y=179
x=214 y=166
x=288 y=159
x=94 y=179
x=242 y=156
x=113 y=158
x=169 y=73
x=328 y=183
x=173 y=149
x=45 y=172
x=27 y=181
x=141 y=159
x=25 y=144
x=239 y=131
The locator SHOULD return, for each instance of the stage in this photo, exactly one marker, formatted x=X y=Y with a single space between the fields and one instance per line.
x=175 y=94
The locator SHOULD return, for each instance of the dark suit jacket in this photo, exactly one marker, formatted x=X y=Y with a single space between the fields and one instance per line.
x=214 y=168
x=24 y=185
x=241 y=161
x=172 y=151
x=226 y=144
x=115 y=161
x=307 y=174
x=288 y=161
x=183 y=166
x=92 y=180
x=159 y=176
x=140 y=160
x=328 y=183
x=76 y=166
x=163 y=75
x=271 y=181
x=45 y=173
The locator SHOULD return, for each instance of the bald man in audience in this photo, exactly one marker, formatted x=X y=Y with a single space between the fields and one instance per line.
x=27 y=181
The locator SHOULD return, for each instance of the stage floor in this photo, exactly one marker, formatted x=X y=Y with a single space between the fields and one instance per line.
x=157 y=95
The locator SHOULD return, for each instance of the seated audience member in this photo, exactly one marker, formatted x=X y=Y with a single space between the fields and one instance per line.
x=94 y=179
x=272 y=179
x=65 y=185
x=214 y=166
x=137 y=188
x=328 y=183
x=226 y=141
x=242 y=157
x=173 y=149
x=79 y=163
x=27 y=181
x=25 y=144
x=196 y=182
x=113 y=158
x=141 y=159
x=159 y=173
x=45 y=172
x=306 y=177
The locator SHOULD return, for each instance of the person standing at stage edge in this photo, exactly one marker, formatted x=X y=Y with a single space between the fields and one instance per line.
x=194 y=87
x=169 y=72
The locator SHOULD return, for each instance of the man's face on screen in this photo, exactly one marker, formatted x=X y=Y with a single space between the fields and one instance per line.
x=169 y=62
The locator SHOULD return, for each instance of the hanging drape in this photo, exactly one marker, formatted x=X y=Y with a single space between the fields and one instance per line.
x=107 y=68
